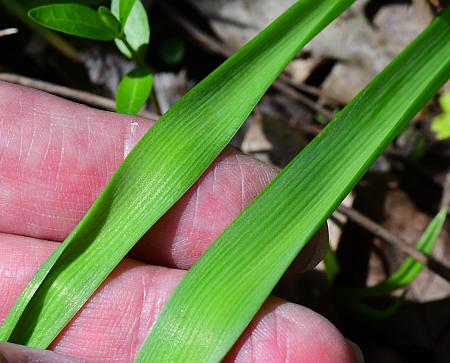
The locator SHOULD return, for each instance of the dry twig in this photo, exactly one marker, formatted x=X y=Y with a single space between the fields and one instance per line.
x=8 y=31
x=214 y=46
x=80 y=96
x=377 y=230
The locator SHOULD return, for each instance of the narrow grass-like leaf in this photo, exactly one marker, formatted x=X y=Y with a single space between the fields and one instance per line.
x=73 y=19
x=161 y=168
x=133 y=91
x=372 y=312
x=223 y=291
x=136 y=31
x=109 y=20
x=409 y=269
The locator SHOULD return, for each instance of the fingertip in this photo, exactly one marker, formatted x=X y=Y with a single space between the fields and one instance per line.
x=286 y=332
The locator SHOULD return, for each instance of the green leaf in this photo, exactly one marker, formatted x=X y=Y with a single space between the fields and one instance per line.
x=125 y=9
x=441 y=123
x=222 y=292
x=73 y=19
x=409 y=269
x=136 y=31
x=133 y=91
x=109 y=20
x=159 y=170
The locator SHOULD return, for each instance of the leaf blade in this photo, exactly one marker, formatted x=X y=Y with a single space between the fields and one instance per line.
x=109 y=20
x=136 y=30
x=211 y=112
x=260 y=244
x=125 y=9
x=133 y=91
x=73 y=19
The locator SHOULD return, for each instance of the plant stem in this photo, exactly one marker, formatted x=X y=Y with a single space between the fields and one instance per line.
x=69 y=93
x=141 y=63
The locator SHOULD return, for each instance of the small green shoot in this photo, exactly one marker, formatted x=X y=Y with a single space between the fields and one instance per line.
x=126 y=23
x=136 y=32
x=410 y=268
x=408 y=271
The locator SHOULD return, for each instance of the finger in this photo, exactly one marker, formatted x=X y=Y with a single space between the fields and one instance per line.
x=114 y=323
x=186 y=231
x=56 y=156
x=13 y=353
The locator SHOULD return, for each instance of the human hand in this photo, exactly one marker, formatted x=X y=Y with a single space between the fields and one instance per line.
x=55 y=158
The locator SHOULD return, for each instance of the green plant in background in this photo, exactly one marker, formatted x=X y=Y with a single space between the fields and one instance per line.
x=126 y=23
x=408 y=271
x=265 y=238
x=441 y=123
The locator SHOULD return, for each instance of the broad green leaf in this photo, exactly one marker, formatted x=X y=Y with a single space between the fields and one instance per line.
x=222 y=292
x=441 y=123
x=73 y=19
x=109 y=20
x=125 y=8
x=409 y=269
x=160 y=169
x=136 y=31
x=133 y=91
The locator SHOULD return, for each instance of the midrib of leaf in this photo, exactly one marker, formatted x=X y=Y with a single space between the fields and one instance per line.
x=71 y=22
x=223 y=291
x=167 y=161
x=125 y=9
x=68 y=21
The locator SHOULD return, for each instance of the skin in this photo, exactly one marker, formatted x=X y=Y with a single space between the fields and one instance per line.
x=55 y=158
